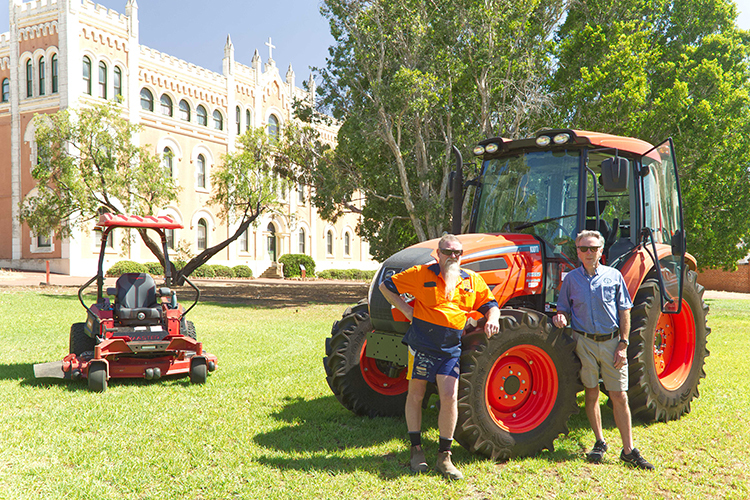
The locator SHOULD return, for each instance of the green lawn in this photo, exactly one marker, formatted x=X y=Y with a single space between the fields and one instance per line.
x=266 y=425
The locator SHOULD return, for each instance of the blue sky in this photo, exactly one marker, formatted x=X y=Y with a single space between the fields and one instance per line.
x=196 y=30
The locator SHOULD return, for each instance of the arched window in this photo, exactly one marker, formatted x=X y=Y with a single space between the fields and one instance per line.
x=271 y=241
x=118 y=82
x=102 y=80
x=202 y=115
x=302 y=240
x=218 y=120
x=147 y=99
x=273 y=127
x=87 y=75
x=200 y=172
x=55 y=74
x=202 y=235
x=166 y=161
x=329 y=242
x=29 y=79
x=41 y=76
x=6 y=90
x=347 y=244
x=166 y=105
x=238 y=114
x=184 y=110
x=248 y=119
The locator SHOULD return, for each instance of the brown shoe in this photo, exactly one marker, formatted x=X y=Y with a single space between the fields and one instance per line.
x=417 y=462
x=446 y=467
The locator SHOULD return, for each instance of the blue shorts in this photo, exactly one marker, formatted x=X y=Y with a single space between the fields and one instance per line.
x=425 y=367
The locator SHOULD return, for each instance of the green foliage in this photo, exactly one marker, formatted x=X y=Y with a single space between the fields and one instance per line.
x=242 y=271
x=347 y=274
x=204 y=271
x=154 y=268
x=221 y=271
x=292 y=261
x=127 y=266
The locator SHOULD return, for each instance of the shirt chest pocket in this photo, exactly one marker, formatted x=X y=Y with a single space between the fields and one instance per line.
x=466 y=298
x=431 y=294
x=609 y=293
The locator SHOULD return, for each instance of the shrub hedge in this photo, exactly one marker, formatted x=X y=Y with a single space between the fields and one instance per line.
x=156 y=269
x=292 y=261
x=242 y=271
x=347 y=274
x=126 y=266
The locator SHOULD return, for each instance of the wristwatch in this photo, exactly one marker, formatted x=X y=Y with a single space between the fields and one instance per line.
x=624 y=341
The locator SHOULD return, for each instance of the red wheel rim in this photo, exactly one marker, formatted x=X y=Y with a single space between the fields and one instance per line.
x=378 y=380
x=521 y=388
x=674 y=347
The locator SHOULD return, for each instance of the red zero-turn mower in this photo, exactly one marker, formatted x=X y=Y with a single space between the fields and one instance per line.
x=142 y=332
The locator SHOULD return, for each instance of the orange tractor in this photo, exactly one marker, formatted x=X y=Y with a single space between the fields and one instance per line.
x=518 y=389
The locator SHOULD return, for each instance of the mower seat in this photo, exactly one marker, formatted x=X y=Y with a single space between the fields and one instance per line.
x=136 y=302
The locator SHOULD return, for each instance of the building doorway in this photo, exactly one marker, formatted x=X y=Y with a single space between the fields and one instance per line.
x=271 y=241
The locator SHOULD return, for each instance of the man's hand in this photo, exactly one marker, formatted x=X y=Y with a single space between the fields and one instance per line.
x=492 y=326
x=621 y=356
x=560 y=320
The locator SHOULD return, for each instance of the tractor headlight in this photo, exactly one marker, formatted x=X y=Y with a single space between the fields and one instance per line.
x=478 y=150
x=561 y=138
x=491 y=148
x=543 y=140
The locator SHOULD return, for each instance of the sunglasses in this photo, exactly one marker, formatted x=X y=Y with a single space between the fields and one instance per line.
x=588 y=249
x=451 y=253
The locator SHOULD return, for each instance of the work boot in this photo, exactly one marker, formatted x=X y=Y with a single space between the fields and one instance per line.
x=417 y=462
x=446 y=467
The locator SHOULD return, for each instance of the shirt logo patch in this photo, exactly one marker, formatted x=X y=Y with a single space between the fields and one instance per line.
x=607 y=281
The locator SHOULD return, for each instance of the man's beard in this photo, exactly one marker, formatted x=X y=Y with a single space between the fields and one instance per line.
x=451 y=275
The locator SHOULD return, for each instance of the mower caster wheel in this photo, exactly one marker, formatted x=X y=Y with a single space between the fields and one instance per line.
x=97 y=377
x=198 y=370
x=157 y=373
x=148 y=374
x=211 y=366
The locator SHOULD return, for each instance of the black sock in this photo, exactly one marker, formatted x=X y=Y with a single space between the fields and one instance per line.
x=445 y=444
x=415 y=438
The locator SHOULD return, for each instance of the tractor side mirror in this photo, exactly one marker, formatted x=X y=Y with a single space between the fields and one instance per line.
x=615 y=174
x=679 y=243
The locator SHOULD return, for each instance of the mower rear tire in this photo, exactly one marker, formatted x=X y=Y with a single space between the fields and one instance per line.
x=667 y=352
x=363 y=385
x=97 y=377
x=79 y=341
x=188 y=329
x=198 y=370
x=517 y=388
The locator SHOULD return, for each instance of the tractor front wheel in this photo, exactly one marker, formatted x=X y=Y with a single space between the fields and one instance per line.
x=667 y=352
x=97 y=376
x=517 y=388
x=198 y=370
x=363 y=385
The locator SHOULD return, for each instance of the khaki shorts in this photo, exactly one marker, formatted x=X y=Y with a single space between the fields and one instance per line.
x=596 y=356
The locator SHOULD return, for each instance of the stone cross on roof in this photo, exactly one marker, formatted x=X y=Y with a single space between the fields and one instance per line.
x=270 y=48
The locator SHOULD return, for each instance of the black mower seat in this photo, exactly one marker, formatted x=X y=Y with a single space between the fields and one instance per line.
x=136 y=301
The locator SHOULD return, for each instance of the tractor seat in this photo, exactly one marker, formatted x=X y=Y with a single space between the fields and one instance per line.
x=136 y=302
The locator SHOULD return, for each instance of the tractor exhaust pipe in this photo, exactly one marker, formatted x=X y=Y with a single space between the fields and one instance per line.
x=457 y=190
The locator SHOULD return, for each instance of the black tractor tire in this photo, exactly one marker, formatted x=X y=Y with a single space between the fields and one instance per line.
x=97 y=377
x=188 y=329
x=518 y=388
x=365 y=390
x=667 y=352
x=198 y=370
x=79 y=341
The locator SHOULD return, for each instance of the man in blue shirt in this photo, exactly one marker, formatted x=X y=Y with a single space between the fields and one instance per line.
x=595 y=302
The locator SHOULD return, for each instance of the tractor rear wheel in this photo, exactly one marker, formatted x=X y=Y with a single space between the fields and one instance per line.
x=667 y=352
x=363 y=385
x=517 y=388
x=79 y=341
x=188 y=329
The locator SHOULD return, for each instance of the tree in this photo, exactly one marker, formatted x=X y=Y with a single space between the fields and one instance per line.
x=88 y=162
x=658 y=69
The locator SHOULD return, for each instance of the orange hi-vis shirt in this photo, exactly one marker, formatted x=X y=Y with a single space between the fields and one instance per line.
x=439 y=320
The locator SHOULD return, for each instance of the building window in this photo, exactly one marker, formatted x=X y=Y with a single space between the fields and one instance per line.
x=244 y=242
x=273 y=127
x=147 y=99
x=44 y=242
x=202 y=115
x=300 y=193
x=238 y=114
x=55 y=74
x=302 y=240
x=166 y=105
x=200 y=172
x=167 y=161
x=202 y=235
x=184 y=110
x=102 y=80
x=271 y=241
x=347 y=245
x=41 y=76
x=169 y=233
x=98 y=233
x=118 y=83
x=29 y=79
x=329 y=242
x=218 y=120
x=87 y=75
x=248 y=119
x=6 y=90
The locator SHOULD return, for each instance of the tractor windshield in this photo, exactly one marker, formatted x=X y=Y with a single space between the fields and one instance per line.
x=535 y=192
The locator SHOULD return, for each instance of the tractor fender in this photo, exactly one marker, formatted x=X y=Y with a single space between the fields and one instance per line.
x=640 y=264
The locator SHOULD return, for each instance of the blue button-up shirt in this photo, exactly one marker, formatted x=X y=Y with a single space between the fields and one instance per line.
x=593 y=302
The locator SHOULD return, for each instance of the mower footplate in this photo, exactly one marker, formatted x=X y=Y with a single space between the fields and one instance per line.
x=53 y=369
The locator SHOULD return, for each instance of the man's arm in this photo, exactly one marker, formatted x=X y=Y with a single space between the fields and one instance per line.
x=397 y=301
x=492 y=326
x=621 y=354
